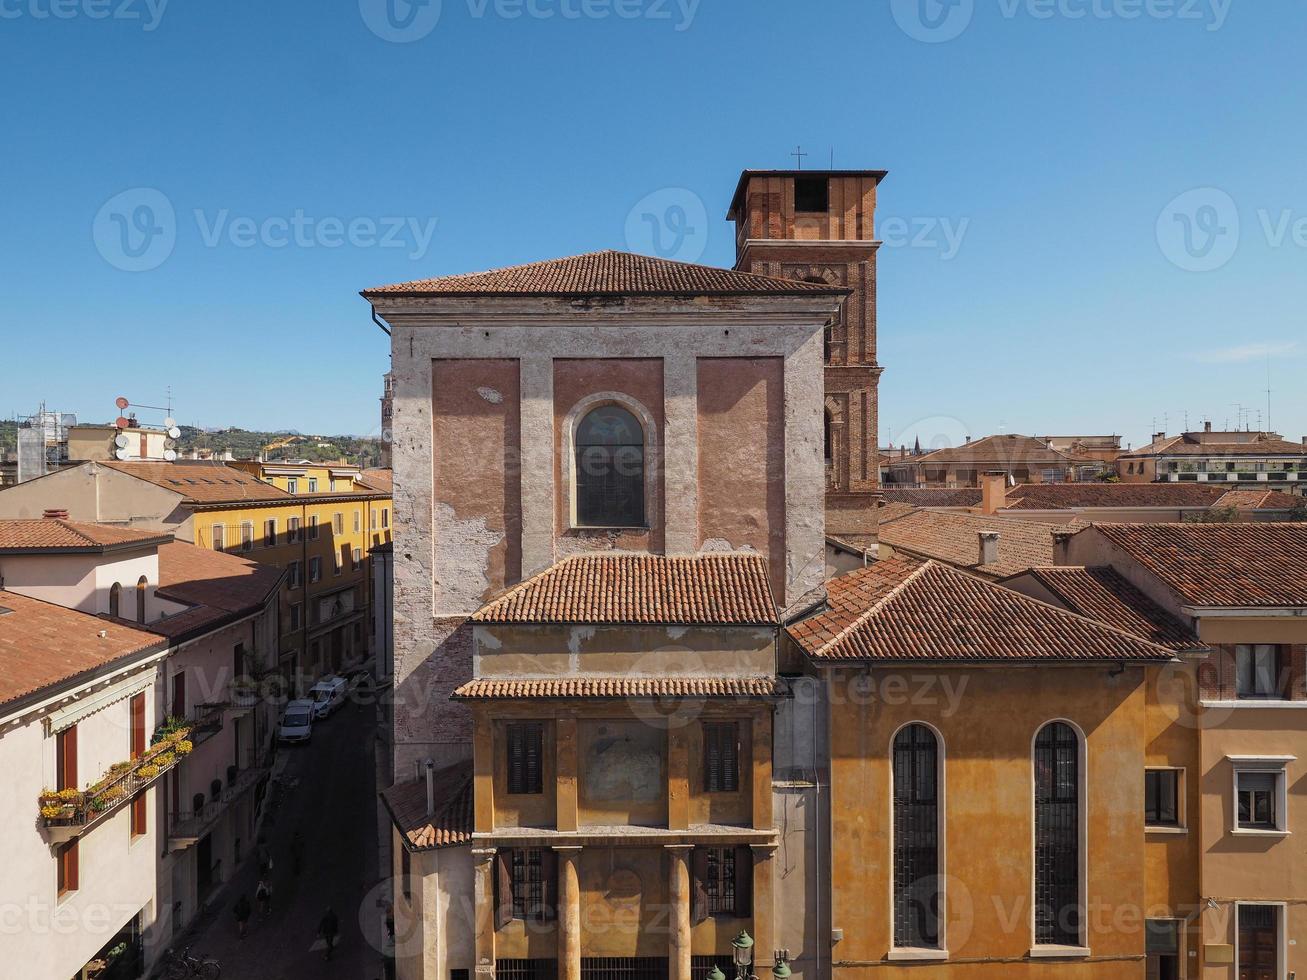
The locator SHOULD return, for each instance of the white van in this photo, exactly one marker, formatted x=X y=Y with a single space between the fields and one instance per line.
x=296 y=722
x=327 y=695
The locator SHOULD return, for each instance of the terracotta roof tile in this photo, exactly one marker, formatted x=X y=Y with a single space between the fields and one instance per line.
x=931 y=612
x=1000 y=450
x=219 y=587
x=1237 y=565
x=932 y=496
x=379 y=479
x=1062 y=496
x=724 y=589
x=1104 y=595
x=42 y=644
x=44 y=534
x=451 y=823
x=1261 y=500
x=203 y=482
x=621 y=687
x=1181 y=446
x=606 y=273
x=893 y=510
x=955 y=539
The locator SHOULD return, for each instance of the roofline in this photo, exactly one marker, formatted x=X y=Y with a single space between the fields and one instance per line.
x=1169 y=657
x=1248 y=612
x=736 y=624
x=287 y=501
x=774 y=697
x=747 y=175
x=92 y=549
x=372 y=295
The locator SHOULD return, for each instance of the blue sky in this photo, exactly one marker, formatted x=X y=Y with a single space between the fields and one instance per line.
x=1051 y=268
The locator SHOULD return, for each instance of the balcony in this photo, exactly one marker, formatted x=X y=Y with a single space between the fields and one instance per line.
x=67 y=813
x=187 y=827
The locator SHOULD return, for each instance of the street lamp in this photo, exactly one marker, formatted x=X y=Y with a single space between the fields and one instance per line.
x=716 y=973
x=781 y=971
x=743 y=946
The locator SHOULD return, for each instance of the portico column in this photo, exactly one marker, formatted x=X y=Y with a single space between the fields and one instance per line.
x=678 y=881
x=483 y=887
x=569 y=913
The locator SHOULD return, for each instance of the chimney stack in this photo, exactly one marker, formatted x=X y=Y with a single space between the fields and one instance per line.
x=59 y=514
x=993 y=491
x=1207 y=426
x=1159 y=436
x=1062 y=547
x=988 y=547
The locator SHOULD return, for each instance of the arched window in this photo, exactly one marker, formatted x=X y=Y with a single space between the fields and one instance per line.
x=141 y=583
x=916 y=839
x=1057 y=835
x=610 y=469
x=115 y=598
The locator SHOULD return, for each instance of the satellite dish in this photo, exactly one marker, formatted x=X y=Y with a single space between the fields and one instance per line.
x=169 y=444
x=169 y=422
x=170 y=454
x=120 y=441
x=174 y=432
x=122 y=454
x=121 y=402
x=122 y=422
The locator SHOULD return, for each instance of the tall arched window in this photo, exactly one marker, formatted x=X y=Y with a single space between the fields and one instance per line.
x=141 y=583
x=115 y=598
x=1057 y=835
x=916 y=838
x=610 y=469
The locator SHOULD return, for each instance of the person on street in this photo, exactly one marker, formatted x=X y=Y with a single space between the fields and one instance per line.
x=328 y=929
x=242 y=913
x=263 y=894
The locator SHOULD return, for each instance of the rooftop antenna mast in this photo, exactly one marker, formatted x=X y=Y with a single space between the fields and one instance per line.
x=1268 y=392
x=798 y=155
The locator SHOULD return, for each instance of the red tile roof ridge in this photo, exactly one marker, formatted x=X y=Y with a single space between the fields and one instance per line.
x=877 y=606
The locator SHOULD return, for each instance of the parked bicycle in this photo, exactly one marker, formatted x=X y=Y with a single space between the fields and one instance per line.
x=180 y=966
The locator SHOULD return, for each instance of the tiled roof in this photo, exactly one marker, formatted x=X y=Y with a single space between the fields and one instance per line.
x=452 y=821
x=955 y=539
x=1261 y=500
x=1000 y=450
x=219 y=587
x=893 y=510
x=45 y=534
x=930 y=612
x=1237 y=565
x=203 y=482
x=725 y=589
x=621 y=687
x=1061 y=496
x=42 y=644
x=1180 y=446
x=932 y=496
x=383 y=480
x=1102 y=594
x=607 y=274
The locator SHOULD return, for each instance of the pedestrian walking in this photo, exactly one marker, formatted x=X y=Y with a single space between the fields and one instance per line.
x=263 y=894
x=242 y=912
x=328 y=929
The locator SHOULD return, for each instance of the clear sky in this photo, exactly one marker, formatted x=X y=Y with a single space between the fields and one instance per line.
x=260 y=161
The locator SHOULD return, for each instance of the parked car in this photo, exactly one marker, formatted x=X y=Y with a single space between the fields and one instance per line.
x=327 y=695
x=297 y=721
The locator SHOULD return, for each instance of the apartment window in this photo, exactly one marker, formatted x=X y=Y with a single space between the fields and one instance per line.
x=358 y=521
x=296 y=615
x=292 y=530
x=1057 y=836
x=1259 y=942
x=179 y=694
x=1162 y=946
x=916 y=838
x=525 y=883
x=313 y=484
x=811 y=195
x=338 y=523
x=1162 y=797
x=136 y=710
x=609 y=469
x=67 y=868
x=292 y=485
x=247 y=535
x=1257 y=668
x=270 y=533
x=313 y=527
x=115 y=599
x=358 y=559
x=219 y=533
x=141 y=584
x=722 y=882
x=372 y=519
x=138 y=815
x=1259 y=799
x=385 y=517
x=721 y=757
x=65 y=758
x=293 y=575
x=525 y=758
x=315 y=570
x=331 y=484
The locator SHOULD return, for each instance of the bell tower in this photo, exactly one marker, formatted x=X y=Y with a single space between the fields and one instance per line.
x=819 y=225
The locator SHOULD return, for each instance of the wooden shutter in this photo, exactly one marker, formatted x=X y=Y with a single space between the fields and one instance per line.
x=138 y=814
x=698 y=886
x=549 y=872
x=66 y=758
x=68 y=868
x=503 y=888
x=138 y=726
x=743 y=881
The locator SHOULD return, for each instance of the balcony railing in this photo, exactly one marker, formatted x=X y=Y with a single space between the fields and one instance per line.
x=185 y=827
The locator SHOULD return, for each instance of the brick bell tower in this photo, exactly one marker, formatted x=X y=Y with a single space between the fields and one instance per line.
x=819 y=225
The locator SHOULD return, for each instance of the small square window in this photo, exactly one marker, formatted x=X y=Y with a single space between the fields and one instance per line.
x=811 y=195
x=1257 y=671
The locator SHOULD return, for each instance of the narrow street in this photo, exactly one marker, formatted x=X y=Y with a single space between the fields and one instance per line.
x=328 y=796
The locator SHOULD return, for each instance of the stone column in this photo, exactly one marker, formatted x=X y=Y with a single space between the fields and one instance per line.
x=569 y=913
x=483 y=887
x=678 y=923
x=764 y=908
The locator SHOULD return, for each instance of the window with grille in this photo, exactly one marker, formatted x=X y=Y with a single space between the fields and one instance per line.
x=722 y=879
x=624 y=968
x=1057 y=836
x=529 y=883
x=515 y=969
x=720 y=883
x=1257 y=669
x=610 y=469
x=916 y=838
x=1162 y=797
x=721 y=757
x=525 y=758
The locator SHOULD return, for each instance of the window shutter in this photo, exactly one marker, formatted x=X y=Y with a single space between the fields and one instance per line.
x=549 y=872
x=698 y=888
x=532 y=775
x=503 y=888
x=743 y=881
x=515 y=774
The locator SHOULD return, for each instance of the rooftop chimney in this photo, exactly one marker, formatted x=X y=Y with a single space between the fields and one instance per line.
x=1062 y=547
x=993 y=491
x=1159 y=436
x=988 y=547
x=59 y=514
x=1207 y=426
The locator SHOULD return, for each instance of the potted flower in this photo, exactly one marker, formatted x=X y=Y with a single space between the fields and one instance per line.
x=184 y=747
